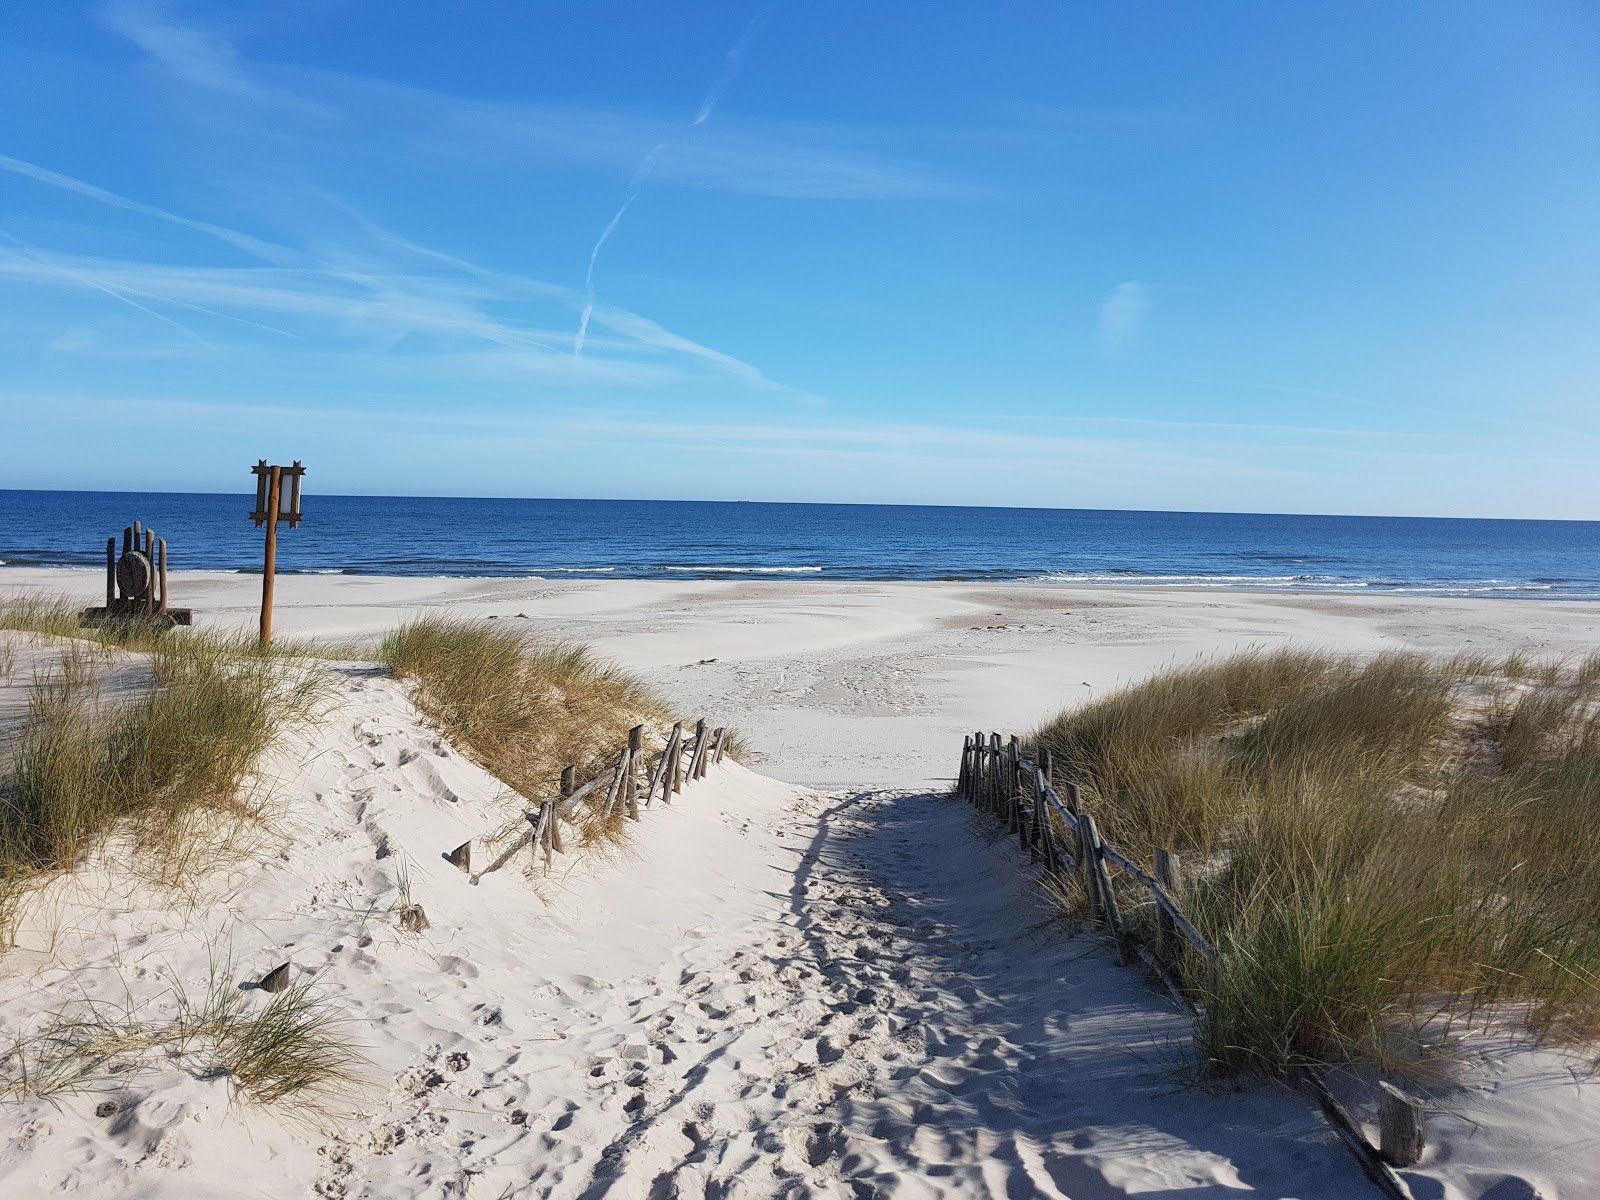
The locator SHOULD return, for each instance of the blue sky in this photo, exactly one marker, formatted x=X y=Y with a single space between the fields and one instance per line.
x=1235 y=256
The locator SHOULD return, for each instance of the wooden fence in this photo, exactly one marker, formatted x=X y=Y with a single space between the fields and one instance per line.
x=637 y=780
x=1000 y=779
x=1018 y=789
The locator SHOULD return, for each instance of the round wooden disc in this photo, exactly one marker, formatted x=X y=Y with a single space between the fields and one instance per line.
x=134 y=574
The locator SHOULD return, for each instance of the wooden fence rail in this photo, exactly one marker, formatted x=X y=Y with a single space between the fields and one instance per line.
x=621 y=784
x=1018 y=789
x=998 y=778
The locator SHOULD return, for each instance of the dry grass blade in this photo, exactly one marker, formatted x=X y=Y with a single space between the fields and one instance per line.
x=1370 y=877
x=296 y=1048
x=170 y=769
x=524 y=709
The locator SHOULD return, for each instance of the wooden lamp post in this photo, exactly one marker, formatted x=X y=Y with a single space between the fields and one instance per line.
x=274 y=503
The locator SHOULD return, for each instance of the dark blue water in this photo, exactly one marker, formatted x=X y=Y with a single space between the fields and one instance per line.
x=647 y=539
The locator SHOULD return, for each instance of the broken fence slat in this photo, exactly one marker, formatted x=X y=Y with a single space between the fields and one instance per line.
x=275 y=980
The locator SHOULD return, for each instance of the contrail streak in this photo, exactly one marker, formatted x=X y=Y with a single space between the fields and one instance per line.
x=89 y=281
x=730 y=70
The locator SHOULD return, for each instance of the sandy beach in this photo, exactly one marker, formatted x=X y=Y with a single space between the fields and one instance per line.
x=812 y=976
x=873 y=684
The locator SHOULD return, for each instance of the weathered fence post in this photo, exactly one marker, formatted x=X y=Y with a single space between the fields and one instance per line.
x=543 y=831
x=1074 y=803
x=630 y=783
x=697 y=758
x=675 y=767
x=1102 y=878
x=995 y=767
x=1400 y=1127
x=1013 y=778
x=1169 y=874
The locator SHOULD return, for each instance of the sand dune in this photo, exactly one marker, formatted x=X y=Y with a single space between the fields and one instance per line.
x=782 y=989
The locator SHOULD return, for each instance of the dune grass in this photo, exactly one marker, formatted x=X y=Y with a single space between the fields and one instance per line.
x=1380 y=850
x=169 y=769
x=523 y=709
x=295 y=1049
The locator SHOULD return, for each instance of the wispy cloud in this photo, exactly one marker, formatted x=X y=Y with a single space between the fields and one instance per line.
x=194 y=54
x=264 y=250
x=787 y=159
x=641 y=174
x=1123 y=315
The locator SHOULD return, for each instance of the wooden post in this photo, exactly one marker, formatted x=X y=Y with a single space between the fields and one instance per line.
x=569 y=784
x=547 y=820
x=993 y=797
x=161 y=548
x=675 y=768
x=1047 y=764
x=630 y=787
x=1074 y=805
x=1047 y=836
x=269 y=568
x=150 y=584
x=1102 y=879
x=111 y=573
x=698 y=754
x=461 y=856
x=1169 y=874
x=1400 y=1127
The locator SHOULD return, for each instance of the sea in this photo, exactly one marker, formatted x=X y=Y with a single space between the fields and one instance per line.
x=684 y=539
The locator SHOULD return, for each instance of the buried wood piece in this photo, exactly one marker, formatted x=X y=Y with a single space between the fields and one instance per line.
x=1400 y=1137
x=276 y=979
x=413 y=919
x=461 y=856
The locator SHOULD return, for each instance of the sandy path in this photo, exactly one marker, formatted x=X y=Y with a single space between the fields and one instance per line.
x=909 y=1023
x=774 y=993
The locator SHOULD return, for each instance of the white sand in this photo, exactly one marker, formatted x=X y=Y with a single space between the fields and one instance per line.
x=872 y=684
x=781 y=992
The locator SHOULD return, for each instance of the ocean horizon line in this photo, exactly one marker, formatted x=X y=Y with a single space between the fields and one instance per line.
x=247 y=496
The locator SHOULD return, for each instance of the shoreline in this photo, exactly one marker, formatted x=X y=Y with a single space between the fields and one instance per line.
x=1535 y=590
x=888 y=676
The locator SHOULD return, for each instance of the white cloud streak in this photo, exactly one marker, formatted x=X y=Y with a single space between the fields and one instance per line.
x=193 y=54
x=641 y=175
x=264 y=250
